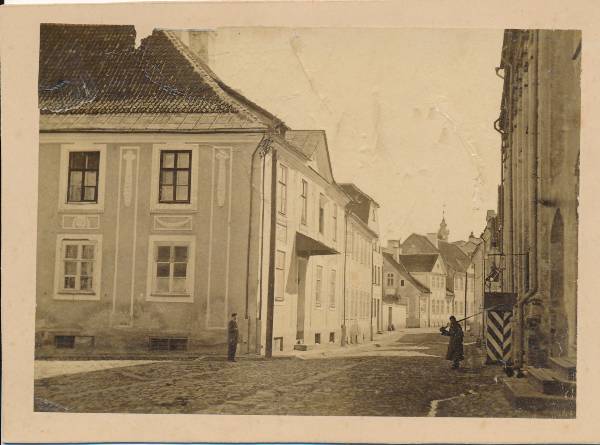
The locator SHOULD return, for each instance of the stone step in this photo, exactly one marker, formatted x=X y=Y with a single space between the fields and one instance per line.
x=549 y=381
x=565 y=366
x=525 y=396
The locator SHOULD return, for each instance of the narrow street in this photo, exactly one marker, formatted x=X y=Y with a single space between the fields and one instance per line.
x=400 y=374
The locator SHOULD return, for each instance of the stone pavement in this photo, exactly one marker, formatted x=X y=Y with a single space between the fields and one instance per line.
x=389 y=380
x=51 y=368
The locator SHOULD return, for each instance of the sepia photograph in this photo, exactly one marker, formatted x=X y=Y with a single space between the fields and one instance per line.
x=307 y=221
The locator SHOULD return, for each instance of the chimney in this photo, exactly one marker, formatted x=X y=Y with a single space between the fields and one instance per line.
x=490 y=215
x=396 y=247
x=200 y=44
x=432 y=237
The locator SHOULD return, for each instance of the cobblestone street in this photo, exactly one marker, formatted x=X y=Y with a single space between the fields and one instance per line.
x=378 y=379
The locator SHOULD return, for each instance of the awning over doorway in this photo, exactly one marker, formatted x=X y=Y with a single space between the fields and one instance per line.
x=307 y=246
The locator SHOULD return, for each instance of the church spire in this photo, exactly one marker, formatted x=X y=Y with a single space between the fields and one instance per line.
x=443 y=232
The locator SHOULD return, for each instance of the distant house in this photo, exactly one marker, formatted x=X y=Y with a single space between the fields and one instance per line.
x=168 y=201
x=363 y=268
x=405 y=299
x=430 y=271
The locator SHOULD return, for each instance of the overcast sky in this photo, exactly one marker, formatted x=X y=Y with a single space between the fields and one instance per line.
x=408 y=113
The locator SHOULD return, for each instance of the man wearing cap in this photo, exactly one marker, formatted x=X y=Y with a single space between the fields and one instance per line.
x=232 y=337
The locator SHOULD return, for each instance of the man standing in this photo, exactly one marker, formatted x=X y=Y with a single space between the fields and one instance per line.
x=455 y=346
x=232 y=337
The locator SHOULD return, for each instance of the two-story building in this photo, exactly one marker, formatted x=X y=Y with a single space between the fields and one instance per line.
x=169 y=201
x=404 y=296
x=365 y=267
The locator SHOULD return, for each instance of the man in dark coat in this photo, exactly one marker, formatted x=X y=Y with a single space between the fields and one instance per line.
x=232 y=337
x=455 y=346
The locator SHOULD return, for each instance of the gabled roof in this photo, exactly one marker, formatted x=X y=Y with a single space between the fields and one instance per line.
x=420 y=244
x=419 y=262
x=401 y=269
x=361 y=202
x=313 y=145
x=97 y=70
x=454 y=257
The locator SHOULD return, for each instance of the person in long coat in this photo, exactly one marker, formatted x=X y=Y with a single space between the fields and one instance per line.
x=455 y=345
x=232 y=337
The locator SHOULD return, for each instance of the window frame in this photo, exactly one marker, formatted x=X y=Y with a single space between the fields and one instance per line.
x=282 y=183
x=335 y=222
x=159 y=207
x=83 y=177
x=175 y=171
x=171 y=240
x=389 y=276
x=282 y=269
x=304 y=202
x=64 y=204
x=60 y=293
x=319 y=286
x=322 y=204
x=332 y=288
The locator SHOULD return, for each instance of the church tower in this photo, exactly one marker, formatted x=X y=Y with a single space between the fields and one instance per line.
x=443 y=232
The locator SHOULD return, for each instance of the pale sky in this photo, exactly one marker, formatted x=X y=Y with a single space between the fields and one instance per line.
x=408 y=112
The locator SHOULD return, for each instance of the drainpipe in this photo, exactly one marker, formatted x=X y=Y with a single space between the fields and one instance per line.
x=372 y=268
x=264 y=141
x=272 y=234
x=343 y=342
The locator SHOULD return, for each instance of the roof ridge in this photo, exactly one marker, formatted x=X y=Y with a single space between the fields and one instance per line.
x=207 y=75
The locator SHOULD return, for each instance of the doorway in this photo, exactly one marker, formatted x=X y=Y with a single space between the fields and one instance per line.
x=300 y=310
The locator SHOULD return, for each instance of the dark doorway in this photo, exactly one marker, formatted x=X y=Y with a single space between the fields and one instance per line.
x=559 y=328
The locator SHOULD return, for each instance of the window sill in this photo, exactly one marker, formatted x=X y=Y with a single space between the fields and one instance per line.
x=170 y=298
x=83 y=208
x=173 y=208
x=75 y=296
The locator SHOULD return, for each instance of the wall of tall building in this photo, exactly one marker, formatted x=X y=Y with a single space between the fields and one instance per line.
x=540 y=123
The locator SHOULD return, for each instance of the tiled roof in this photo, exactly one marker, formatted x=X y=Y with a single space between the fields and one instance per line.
x=419 y=262
x=418 y=244
x=401 y=269
x=453 y=256
x=361 y=202
x=96 y=69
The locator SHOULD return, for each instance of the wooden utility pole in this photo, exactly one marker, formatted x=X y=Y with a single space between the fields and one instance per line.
x=271 y=287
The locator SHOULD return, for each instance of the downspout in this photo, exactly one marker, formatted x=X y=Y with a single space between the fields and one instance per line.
x=343 y=342
x=372 y=269
x=272 y=235
x=264 y=140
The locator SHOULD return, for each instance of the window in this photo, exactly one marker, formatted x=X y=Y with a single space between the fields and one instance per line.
x=282 y=178
x=318 y=338
x=64 y=341
x=402 y=283
x=373 y=217
x=171 y=268
x=167 y=344
x=390 y=279
x=279 y=275
x=334 y=228
x=304 y=202
x=321 y=214
x=319 y=285
x=82 y=177
x=175 y=175
x=84 y=169
x=78 y=266
x=332 y=337
x=332 y=296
